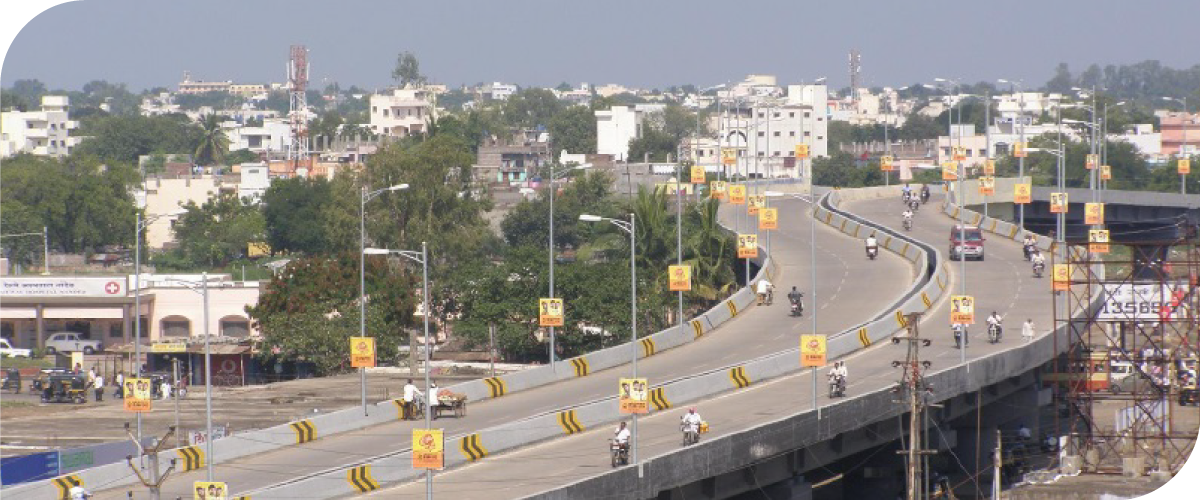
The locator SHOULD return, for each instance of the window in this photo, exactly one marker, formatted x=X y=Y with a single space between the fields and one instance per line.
x=807 y=114
x=791 y=114
x=374 y=109
x=235 y=326
x=385 y=111
x=115 y=331
x=820 y=119
x=777 y=133
x=760 y=114
x=176 y=326
x=760 y=134
x=777 y=114
x=820 y=137
x=776 y=153
x=792 y=134
x=807 y=134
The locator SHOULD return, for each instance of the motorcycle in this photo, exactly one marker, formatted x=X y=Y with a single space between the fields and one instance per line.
x=691 y=435
x=1038 y=269
x=837 y=387
x=907 y=224
x=767 y=298
x=914 y=205
x=994 y=333
x=904 y=197
x=1028 y=252
x=925 y=196
x=620 y=453
x=872 y=252
x=797 y=307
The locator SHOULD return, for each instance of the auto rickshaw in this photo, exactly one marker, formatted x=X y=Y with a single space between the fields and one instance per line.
x=38 y=384
x=65 y=388
x=12 y=380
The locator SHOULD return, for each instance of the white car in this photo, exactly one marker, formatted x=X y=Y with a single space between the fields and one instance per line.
x=71 y=342
x=6 y=349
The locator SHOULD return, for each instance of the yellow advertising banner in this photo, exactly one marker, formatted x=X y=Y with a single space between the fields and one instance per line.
x=950 y=171
x=258 y=249
x=989 y=167
x=362 y=352
x=698 y=176
x=768 y=218
x=550 y=312
x=1058 y=203
x=168 y=347
x=680 y=278
x=428 y=449
x=717 y=190
x=1018 y=150
x=632 y=394
x=1022 y=194
x=137 y=395
x=737 y=194
x=1184 y=166
x=960 y=153
x=755 y=202
x=802 y=151
x=728 y=156
x=962 y=309
x=1098 y=240
x=887 y=163
x=987 y=185
x=209 y=490
x=747 y=246
x=1062 y=277
x=1093 y=214
x=1092 y=161
x=1105 y=172
x=812 y=351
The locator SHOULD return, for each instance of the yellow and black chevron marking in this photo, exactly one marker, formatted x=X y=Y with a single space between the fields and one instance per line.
x=857 y=229
x=581 y=367
x=978 y=219
x=698 y=327
x=993 y=228
x=64 y=485
x=360 y=478
x=569 y=422
x=658 y=398
x=955 y=215
x=941 y=286
x=888 y=242
x=247 y=497
x=828 y=217
x=399 y=408
x=495 y=386
x=925 y=299
x=732 y=308
x=905 y=251
x=305 y=431
x=472 y=448
x=863 y=338
x=843 y=228
x=739 y=378
x=647 y=347
x=1013 y=233
x=192 y=456
x=900 y=319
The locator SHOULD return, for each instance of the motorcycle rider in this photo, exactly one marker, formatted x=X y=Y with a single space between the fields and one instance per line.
x=1029 y=245
x=621 y=436
x=960 y=334
x=872 y=245
x=1039 y=261
x=995 y=320
x=908 y=217
x=690 y=422
x=838 y=374
x=794 y=297
x=924 y=193
x=907 y=192
x=764 y=290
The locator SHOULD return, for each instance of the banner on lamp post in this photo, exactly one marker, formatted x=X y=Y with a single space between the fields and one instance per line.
x=989 y=167
x=362 y=352
x=812 y=351
x=950 y=171
x=1098 y=240
x=1022 y=194
x=1093 y=214
x=737 y=194
x=680 y=278
x=550 y=312
x=987 y=185
x=887 y=163
x=962 y=309
x=698 y=175
x=768 y=218
x=1105 y=172
x=802 y=151
x=747 y=246
x=1058 y=203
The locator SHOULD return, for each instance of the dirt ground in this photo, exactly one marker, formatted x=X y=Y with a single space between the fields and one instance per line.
x=30 y=426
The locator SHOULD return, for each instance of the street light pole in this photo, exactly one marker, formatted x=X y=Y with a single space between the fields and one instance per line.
x=208 y=388
x=553 y=367
x=962 y=221
x=362 y=275
x=1183 y=147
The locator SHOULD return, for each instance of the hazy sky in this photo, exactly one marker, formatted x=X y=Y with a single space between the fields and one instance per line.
x=642 y=43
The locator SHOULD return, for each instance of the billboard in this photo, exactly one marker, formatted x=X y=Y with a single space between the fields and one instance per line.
x=46 y=286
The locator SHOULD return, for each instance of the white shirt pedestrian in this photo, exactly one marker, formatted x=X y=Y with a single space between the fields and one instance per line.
x=763 y=286
x=165 y=389
x=410 y=392
x=78 y=493
x=1027 y=330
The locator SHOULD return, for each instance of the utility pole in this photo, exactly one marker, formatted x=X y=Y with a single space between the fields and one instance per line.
x=175 y=368
x=155 y=482
x=998 y=461
x=912 y=381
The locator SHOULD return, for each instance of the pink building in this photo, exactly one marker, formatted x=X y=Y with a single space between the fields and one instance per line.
x=1177 y=127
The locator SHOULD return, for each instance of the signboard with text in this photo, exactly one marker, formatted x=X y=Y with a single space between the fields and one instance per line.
x=737 y=194
x=812 y=351
x=1093 y=214
x=137 y=395
x=717 y=190
x=962 y=309
x=698 y=176
x=428 y=449
x=747 y=246
x=1022 y=194
x=755 y=202
x=728 y=156
x=768 y=218
x=680 y=278
x=46 y=286
x=168 y=347
x=632 y=393
x=550 y=312
x=1058 y=203
x=1098 y=240
x=362 y=352
x=987 y=185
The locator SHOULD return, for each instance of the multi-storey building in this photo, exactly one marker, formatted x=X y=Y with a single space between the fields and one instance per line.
x=402 y=112
x=615 y=128
x=44 y=133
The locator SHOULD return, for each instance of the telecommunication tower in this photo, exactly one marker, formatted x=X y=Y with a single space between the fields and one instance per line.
x=855 y=73
x=297 y=85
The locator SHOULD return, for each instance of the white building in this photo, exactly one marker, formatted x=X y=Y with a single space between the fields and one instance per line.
x=764 y=132
x=255 y=181
x=499 y=91
x=163 y=195
x=615 y=128
x=162 y=104
x=274 y=135
x=42 y=133
x=402 y=113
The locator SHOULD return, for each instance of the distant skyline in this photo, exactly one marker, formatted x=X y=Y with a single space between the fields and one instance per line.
x=542 y=43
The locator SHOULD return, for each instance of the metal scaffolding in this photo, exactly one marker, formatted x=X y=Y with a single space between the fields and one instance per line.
x=1129 y=320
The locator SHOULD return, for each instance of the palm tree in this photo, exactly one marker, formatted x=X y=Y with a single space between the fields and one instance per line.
x=709 y=251
x=214 y=144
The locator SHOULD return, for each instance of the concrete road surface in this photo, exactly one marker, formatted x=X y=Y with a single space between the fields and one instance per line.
x=852 y=289
x=1003 y=283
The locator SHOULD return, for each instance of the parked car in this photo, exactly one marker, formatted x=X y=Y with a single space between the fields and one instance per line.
x=71 y=342
x=1136 y=381
x=971 y=248
x=6 y=349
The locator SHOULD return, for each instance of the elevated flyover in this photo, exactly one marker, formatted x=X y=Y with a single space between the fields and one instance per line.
x=769 y=427
x=756 y=332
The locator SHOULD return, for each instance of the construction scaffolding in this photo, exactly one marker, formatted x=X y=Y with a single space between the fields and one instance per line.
x=1129 y=321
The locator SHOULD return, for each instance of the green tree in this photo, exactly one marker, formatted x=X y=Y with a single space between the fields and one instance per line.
x=324 y=129
x=574 y=130
x=293 y=210
x=213 y=144
x=122 y=139
x=529 y=108
x=653 y=142
x=408 y=70
x=29 y=92
x=241 y=156
x=217 y=232
x=19 y=218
